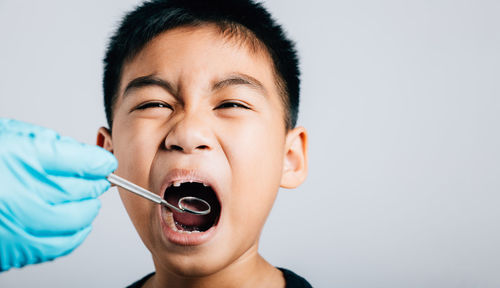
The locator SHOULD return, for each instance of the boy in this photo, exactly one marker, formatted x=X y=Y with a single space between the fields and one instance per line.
x=201 y=99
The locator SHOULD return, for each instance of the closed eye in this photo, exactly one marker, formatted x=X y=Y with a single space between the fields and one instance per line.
x=232 y=105
x=153 y=105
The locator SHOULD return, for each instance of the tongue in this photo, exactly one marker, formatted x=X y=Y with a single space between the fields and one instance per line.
x=188 y=219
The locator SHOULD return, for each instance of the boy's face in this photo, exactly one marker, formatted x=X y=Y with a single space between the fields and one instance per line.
x=195 y=106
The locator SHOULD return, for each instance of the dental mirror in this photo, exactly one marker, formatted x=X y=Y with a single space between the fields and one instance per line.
x=188 y=204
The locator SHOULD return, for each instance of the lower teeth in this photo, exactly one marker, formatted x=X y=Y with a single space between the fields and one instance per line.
x=186 y=228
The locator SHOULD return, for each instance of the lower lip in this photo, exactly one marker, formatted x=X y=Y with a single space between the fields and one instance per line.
x=184 y=239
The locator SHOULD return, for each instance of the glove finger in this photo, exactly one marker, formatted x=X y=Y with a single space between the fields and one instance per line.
x=59 y=189
x=43 y=148
x=31 y=249
x=57 y=246
x=45 y=220
x=67 y=157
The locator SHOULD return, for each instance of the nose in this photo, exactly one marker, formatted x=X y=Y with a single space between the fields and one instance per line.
x=190 y=134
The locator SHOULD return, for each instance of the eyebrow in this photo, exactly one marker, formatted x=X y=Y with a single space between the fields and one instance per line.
x=240 y=79
x=149 y=80
x=234 y=79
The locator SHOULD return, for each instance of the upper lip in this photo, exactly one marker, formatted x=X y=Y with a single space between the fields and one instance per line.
x=189 y=175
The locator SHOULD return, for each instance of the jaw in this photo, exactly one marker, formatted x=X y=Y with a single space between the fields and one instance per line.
x=232 y=239
x=212 y=269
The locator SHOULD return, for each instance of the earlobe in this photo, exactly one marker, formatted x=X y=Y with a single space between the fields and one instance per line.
x=104 y=139
x=295 y=158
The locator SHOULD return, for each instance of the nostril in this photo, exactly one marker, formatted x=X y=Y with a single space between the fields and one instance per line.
x=202 y=147
x=176 y=148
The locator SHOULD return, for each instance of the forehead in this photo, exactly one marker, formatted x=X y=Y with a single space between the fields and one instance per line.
x=198 y=55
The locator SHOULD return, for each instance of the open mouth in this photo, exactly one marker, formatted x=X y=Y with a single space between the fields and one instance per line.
x=186 y=222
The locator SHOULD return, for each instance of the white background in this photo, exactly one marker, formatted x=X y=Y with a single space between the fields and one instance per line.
x=402 y=103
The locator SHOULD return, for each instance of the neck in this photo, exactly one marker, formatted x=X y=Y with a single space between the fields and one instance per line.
x=250 y=270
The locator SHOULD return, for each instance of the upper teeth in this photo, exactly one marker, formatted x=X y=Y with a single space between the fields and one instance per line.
x=179 y=182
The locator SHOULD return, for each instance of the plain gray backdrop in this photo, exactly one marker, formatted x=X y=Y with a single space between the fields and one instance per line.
x=402 y=103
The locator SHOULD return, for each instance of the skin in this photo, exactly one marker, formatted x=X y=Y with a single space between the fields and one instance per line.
x=233 y=131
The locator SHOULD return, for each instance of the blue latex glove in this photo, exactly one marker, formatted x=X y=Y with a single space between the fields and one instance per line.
x=48 y=192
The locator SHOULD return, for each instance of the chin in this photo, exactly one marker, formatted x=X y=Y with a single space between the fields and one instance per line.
x=195 y=264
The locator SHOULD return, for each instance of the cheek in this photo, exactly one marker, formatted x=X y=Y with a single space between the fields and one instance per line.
x=256 y=162
x=135 y=147
x=260 y=148
x=135 y=205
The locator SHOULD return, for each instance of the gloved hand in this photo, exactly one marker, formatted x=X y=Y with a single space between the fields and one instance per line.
x=48 y=192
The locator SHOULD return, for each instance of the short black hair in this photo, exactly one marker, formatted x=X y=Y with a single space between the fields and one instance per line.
x=243 y=17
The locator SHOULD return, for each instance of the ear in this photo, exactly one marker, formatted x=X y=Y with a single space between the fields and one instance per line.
x=295 y=159
x=104 y=139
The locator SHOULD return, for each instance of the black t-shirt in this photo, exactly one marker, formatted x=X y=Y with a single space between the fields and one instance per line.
x=292 y=280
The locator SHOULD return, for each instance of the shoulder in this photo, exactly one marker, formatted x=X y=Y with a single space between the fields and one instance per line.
x=140 y=283
x=293 y=280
